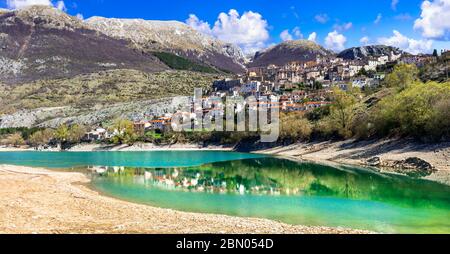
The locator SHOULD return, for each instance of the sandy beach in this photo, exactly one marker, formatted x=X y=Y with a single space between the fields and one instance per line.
x=34 y=200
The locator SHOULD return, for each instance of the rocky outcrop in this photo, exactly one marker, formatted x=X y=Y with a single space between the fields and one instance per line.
x=374 y=162
x=414 y=163
x=364 y=52
x=289 y=51
x=412 y=166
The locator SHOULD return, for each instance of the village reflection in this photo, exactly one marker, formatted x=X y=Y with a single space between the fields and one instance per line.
x=271 y=176
x=191 y=179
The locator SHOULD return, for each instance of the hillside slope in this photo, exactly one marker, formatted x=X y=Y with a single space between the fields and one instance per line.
x=172 y=36
x=41 y=42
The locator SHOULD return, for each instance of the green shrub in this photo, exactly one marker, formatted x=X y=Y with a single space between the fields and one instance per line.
x=421 y=110
x=181 y=63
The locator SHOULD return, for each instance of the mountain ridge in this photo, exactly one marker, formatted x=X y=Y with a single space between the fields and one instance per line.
x=288 y=51
x=41 y=42
x=363 y=52
x=174 y=37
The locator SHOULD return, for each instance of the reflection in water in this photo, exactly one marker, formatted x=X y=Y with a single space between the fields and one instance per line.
x=292 y=192
x=271 y=176
x=251 y=185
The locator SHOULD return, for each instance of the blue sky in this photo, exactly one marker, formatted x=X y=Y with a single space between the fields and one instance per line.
x=336 y=23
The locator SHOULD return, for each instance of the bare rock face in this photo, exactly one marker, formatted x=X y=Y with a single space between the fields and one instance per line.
x=374 y=162
x=362 y=53
x=288 y=51
x=41 y=42
x=172 y=36
x=412 y=166
x=414 y=163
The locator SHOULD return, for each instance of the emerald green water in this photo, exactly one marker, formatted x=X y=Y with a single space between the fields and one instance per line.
x=257 y=186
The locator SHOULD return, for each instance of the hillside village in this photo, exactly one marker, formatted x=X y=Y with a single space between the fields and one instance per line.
x=127 y=72
x=301 y=86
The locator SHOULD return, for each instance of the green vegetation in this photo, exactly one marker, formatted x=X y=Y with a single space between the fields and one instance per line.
x=42 y=137
x=14 y=139
x=24 y=132
x=70 y=134
x=420 y=110
x=403 y=106
x=402 y=76
x=181 y=63
x=295 y=127
x=124 y=132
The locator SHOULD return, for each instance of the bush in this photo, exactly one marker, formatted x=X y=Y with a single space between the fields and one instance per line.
x=402 y=76
x=124 y=132
x=14 y=139
x=42 y=137
x=295 y=127
x=343 y=112
x=419 y=110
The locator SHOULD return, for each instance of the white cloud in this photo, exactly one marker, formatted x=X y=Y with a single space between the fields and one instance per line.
x=364 y=40
x=18 y=4
x=201 y=26
x=335 y=41
x=403 y=17
x=297 y=32
x=249 y=30
x=60 y=6
x=294 y=12
x=80 y=16
x=322 y=18
x=378 y=19
x=434 y=21
x=407 y=44
x=394 y=4
x=312 y=36
x=286 y=35
x=343 y=27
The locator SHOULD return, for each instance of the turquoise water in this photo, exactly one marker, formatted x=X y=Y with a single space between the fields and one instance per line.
x=114 y=158
x=257 y=186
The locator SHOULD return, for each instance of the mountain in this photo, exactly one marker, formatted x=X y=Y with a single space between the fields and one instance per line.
x=368 y=51
x=42 y=42
x=288 y=51
x=174 y=37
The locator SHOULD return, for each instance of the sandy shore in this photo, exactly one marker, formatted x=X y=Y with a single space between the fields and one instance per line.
x=357 y=153
x=42 y=201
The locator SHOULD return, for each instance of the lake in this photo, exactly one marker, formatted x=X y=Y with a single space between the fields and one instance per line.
x=252 y=185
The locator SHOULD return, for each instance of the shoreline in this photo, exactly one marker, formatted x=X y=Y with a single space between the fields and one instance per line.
x=37 y=200
x=349 y=152
x=357 y=153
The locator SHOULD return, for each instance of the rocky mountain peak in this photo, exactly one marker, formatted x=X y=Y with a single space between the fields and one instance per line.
x=44 y=16
x=288 y=51
x=172 y=36
x=368 y=51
